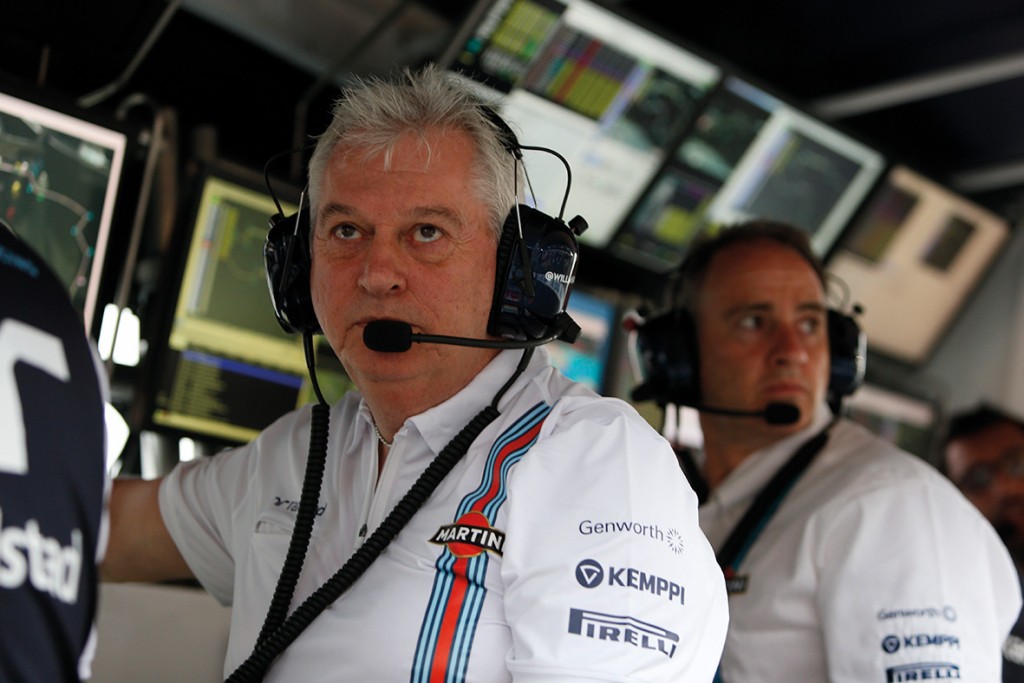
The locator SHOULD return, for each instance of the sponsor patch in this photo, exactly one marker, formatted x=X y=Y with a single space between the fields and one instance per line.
x=471 y=535
x=892 y=643
x=615 y=628
x=671 y=537
x=590 y=574
x=923 y=671
x=947 y=612
x=735 y=583
x=27 y=555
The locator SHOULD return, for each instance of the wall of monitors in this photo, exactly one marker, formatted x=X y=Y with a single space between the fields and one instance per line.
x=749 y=155
x=609 y=95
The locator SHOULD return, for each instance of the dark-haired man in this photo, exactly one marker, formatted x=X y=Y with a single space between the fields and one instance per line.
x=846 y=559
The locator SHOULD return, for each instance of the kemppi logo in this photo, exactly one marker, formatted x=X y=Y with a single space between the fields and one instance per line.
x=590 y=574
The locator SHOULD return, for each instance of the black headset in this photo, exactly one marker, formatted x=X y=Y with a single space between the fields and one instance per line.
x=536 y=265
x=667 y=351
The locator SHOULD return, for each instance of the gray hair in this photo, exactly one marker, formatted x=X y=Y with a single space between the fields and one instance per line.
x=374 y=113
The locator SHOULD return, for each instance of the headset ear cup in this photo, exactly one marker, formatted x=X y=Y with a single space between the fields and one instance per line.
x=847 y=354
x=667 y=351
x=287 y=258
x=544 y=261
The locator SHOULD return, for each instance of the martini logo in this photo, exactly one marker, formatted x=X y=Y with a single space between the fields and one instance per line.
x=470 y=536
x=735 y=583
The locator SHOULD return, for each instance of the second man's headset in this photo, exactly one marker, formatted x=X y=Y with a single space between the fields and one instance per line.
x=665 y=346
x=536 y=267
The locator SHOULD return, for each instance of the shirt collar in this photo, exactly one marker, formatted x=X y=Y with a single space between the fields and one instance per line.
x=754 y=472
x=437 y=425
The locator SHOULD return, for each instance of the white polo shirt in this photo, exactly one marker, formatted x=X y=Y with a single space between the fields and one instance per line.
x=563 y=547
x=873 y=568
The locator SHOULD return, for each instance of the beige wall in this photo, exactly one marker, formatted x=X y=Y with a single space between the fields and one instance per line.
x=159 y=634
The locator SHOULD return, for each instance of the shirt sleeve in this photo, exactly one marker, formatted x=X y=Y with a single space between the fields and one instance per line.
x=198 y=501
x=915 y=584
x=607 y=574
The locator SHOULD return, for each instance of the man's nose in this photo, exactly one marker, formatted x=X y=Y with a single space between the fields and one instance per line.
x=382 y=271
x=790 y=345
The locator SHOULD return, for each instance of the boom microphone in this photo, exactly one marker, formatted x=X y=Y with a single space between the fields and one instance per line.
x=395 y=336
x=773 y=413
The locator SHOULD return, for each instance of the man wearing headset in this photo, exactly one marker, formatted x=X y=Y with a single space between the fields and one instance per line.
x=846 y=559
x=53 y=481
x=554 y=550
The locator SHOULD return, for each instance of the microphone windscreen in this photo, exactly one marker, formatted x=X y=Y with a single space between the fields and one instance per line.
x=781 y=413
x=388 y=336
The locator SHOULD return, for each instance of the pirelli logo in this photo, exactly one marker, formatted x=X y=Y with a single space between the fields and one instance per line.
x=471 y=535
x=622 y=629
x=923 y=671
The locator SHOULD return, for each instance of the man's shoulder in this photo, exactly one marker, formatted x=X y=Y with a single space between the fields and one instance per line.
x=861 y=469
x=857 y=460
x=600 y=410
x=851 y=440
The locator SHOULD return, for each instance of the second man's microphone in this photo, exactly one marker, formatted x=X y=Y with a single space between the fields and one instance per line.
x=773 y=413
x=395 y=336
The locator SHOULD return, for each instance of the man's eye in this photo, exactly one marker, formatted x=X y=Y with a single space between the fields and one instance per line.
x=427 y=233
x=811 y=325
x=345 y=231
x=750 y=322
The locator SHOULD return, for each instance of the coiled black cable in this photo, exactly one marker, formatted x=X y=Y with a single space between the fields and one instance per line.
x=270 y=645
x=316 y=460
x=318 y=430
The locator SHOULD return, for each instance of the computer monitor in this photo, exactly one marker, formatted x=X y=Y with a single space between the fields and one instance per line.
x=609 y=95
x=224 y=368
x=671 y=212
x=796 y=170
x=587 y=360
x=911 y=258
x=748 y=155
x=60 y=174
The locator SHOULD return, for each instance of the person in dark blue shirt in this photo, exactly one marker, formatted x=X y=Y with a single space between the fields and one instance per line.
x=53 y=481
